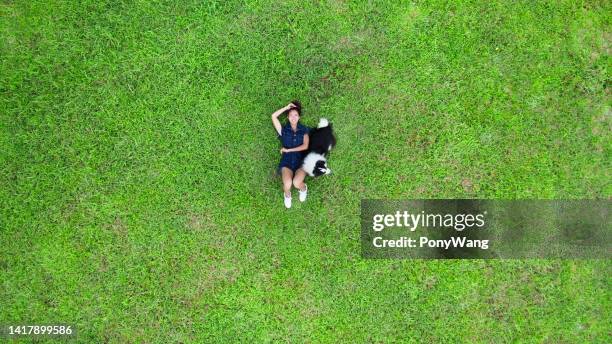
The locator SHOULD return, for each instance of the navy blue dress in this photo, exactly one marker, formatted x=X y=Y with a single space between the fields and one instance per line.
x=292 y=139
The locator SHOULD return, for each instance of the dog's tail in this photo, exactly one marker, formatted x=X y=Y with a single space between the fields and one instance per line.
x=323 y=123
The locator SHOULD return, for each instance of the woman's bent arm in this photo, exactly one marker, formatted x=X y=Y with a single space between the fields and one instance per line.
x=302 y=147
x=275 y=121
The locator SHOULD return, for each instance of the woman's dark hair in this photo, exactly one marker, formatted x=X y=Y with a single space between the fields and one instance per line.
x=298 y=107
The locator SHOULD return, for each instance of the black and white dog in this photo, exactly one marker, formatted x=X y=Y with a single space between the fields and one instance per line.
x=322 y=140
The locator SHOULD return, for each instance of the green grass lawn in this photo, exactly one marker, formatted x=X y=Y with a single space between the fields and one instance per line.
x=138 y=199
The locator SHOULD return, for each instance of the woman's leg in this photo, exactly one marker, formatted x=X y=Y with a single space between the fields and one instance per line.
x=298 y=180
x=287 y=177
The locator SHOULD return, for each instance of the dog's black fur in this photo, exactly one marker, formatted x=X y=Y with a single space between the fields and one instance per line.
x=322 y=140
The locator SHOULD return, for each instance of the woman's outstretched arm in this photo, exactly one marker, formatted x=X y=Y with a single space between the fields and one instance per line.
x=275 y=121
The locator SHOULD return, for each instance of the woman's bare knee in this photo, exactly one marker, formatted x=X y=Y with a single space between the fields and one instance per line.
x=298 y=180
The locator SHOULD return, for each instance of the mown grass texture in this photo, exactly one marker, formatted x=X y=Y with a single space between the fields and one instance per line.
x=139 y=200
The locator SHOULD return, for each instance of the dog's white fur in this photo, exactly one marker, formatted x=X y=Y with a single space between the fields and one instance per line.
x=310 y=161
x=323 y=122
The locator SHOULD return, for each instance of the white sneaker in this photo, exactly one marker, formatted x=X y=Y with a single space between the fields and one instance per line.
x=287 y=201
x=304 y=193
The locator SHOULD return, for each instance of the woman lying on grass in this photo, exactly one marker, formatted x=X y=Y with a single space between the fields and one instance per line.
x=294 y=138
